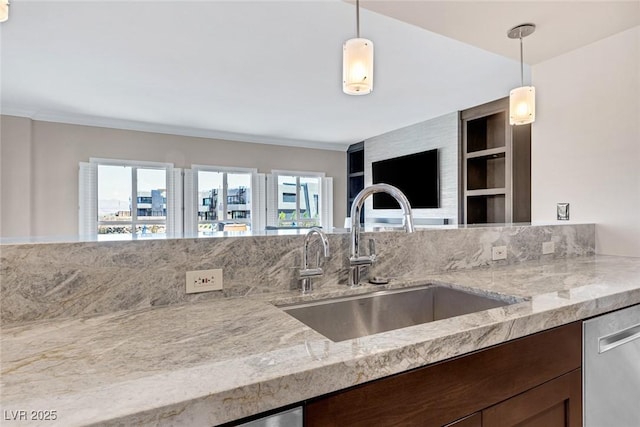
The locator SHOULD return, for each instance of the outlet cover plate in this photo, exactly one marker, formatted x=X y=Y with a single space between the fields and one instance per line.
x=498 y=253
x=548 y=248
x=204 y=280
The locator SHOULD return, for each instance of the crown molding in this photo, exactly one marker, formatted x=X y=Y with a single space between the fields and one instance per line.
x=112 y=123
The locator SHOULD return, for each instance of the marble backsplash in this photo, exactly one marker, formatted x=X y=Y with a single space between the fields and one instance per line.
x=57 y=280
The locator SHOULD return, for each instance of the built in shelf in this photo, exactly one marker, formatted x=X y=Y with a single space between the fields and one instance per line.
x=486 y=209
x=487 y=192
x=491 y=152
x=486 y=132
x=355 y=173
x=496 y=166
x=486 y=171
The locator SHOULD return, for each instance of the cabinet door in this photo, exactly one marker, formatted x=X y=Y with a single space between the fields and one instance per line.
x=474 y=420
x=439 y=394
x=557 y=403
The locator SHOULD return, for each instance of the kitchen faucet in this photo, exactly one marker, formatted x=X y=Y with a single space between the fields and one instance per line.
x=306 y=273
x=355 y=259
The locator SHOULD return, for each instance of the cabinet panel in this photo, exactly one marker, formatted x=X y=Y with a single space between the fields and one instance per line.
x=355 y=174
x=356 y=183
x=474 y=420
x=356 y=158
x=521 y=176
x=557 y=403
x=450 y=390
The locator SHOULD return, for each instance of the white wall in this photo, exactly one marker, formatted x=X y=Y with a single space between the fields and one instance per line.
x=586 y=140
x=40 y=167
x=441 y=133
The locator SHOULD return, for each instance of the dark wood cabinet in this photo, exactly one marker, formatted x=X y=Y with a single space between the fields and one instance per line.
x=355 y=173
x=557 y=403
x=531 y=381
x=473 y=420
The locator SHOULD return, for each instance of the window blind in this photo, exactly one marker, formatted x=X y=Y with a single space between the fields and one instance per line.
x=88 y=201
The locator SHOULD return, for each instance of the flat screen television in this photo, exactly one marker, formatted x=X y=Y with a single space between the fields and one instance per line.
x=416 y=175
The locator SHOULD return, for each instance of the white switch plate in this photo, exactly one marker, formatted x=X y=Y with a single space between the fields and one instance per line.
x=563 y=211
x=204 y=280
x=548 y=248
x=498 y=253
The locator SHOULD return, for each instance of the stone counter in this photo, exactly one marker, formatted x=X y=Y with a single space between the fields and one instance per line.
x=210 y=362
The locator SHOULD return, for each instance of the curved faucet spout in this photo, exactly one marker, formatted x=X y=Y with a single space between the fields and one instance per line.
x=355 y=260
x=307 y=240
x=305 y=272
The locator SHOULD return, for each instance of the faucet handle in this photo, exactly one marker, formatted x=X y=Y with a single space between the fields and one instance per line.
x=310 y=272
x=372 y=249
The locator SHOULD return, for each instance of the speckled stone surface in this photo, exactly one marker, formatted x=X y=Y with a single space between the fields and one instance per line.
x=64 y=280
x=214 y=361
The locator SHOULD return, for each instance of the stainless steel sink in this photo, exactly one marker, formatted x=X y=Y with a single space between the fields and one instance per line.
x=357 y=316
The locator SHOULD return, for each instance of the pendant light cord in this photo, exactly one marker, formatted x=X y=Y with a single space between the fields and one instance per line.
x=521 y=64
x=358 y=18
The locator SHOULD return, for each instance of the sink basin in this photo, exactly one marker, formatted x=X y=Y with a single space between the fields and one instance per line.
x=357 y=316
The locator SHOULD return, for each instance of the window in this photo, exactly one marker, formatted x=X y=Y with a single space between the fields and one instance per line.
x=121 y=199
x=130 y=199
x=225 y=199
x=302 y=200
x=289 y=197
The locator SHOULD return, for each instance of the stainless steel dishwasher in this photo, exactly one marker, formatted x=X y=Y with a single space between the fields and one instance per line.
x=611 y=369
x=290 y=418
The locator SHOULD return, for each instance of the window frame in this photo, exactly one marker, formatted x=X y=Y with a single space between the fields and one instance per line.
x=135 y=219
x=276 y=173
x=225 y=170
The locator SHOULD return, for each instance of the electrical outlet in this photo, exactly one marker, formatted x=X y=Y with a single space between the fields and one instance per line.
x=548 y=248
x=204 y=280
x=498 y=253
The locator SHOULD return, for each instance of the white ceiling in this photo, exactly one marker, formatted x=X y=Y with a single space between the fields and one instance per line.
x=561 y=26
x=270 y=71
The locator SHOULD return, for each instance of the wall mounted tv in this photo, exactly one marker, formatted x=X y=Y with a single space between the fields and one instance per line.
x=416 y=175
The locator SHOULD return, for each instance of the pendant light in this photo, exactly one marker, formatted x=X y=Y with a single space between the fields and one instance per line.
x=4 y=10
x=357 y=62
x=522 y=100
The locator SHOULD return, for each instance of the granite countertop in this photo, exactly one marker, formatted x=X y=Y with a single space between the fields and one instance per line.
x=206 y=363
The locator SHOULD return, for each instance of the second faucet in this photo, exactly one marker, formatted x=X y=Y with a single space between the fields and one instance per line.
x=305 y=274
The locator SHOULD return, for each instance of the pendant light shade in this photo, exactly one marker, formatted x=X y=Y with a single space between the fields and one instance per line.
x=4 y=10
x=522 y=105
x=522 y=100
x=357 y=62
x=357 y=66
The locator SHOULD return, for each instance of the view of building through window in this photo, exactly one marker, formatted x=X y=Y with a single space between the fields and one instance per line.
x=131 y=200
x=298 y=201
x=224 y=201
